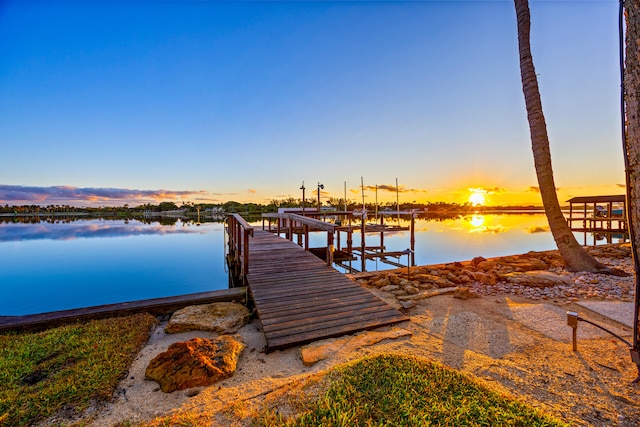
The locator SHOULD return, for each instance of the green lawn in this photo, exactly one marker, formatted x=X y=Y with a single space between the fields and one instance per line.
x=42 y=373
x=393 y=390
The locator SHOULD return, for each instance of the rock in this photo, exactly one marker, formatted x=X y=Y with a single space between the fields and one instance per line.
x=381 y=282
x=198 y=362
x=477 y=260
x=440 y=282
x=455 y=266
x=320 y=350
x=464 y=278
x=453 y=278
x=538 y=279
x=395 y=280
x=221 y=317
x=486 y=265
x=529 y=264
x=411 y=289
x=406 y=305
x=489 y=279
x=389 y=288
x=427 y=294
x=463 y=293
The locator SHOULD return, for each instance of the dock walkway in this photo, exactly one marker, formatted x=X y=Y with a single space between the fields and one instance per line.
x=300 y=299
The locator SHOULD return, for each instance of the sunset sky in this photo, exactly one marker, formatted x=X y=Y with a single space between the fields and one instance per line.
x=113 y=102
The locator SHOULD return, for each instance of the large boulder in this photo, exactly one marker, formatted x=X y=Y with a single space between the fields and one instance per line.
x=198 y=362
x=221 y=317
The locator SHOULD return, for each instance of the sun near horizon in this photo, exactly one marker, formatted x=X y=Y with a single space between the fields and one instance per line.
x=477 y=198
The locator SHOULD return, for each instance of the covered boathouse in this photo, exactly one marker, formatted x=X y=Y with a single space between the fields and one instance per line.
x=605 y=216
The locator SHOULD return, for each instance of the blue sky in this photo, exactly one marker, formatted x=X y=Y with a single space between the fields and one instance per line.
x=112 y=102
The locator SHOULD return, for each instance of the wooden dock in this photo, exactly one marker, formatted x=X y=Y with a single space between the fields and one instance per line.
x=300 y=299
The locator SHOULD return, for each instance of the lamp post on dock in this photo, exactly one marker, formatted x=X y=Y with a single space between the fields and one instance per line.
x=320 y=187
x=302 y=188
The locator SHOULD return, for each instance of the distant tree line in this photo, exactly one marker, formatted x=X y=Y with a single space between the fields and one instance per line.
x=189 y=208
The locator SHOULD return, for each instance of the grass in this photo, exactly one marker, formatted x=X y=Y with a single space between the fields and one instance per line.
x=65 y=368
x=393 y=390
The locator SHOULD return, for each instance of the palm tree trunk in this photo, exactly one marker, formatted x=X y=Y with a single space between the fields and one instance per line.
x=575 y=257
x=631 y=128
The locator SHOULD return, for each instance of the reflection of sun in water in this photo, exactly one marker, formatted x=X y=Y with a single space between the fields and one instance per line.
x=477 y=198
x=477 y=221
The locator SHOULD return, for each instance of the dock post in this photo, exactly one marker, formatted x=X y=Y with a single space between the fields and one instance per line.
x=363 y=260
x=305 y=228
x=246 y=252
x=413 y=239
x=329 y=248
x=290 y=229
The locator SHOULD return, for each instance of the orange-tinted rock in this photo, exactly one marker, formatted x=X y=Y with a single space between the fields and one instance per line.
x=197 y=362
x=538 y=279
x=477 y=260
x=464 y=293
x=489 y=279
x=438 y=281
x=486 y=265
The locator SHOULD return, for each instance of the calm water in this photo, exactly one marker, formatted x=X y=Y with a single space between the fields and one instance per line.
x=48 y=267
x=55 y=266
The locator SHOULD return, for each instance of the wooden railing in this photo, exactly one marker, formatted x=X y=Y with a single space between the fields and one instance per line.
x=239 y=232
x=293 y=221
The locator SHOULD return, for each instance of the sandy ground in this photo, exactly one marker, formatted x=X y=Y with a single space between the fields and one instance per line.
x=522 y=347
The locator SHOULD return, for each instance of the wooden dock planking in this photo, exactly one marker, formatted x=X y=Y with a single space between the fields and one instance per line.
x=300 y=299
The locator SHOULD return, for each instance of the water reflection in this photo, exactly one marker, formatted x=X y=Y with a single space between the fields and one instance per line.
x=88 y=228
x=477 y=221
x=69 y=218
x=56 y=266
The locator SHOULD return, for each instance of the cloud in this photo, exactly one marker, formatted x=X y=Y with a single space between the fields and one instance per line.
x=621 y=185
x=75 y=196
x=72 y=231
x=392 y=188
x=487 y=190
x=252 y=191
x=538 y=229
x=533 y=189
x=495 y=229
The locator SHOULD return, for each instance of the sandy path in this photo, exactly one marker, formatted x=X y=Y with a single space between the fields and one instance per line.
x=486 y=337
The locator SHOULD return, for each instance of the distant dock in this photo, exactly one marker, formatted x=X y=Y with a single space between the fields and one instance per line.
x=602 y=216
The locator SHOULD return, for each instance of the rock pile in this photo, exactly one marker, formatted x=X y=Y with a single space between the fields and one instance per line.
x=535 y=275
